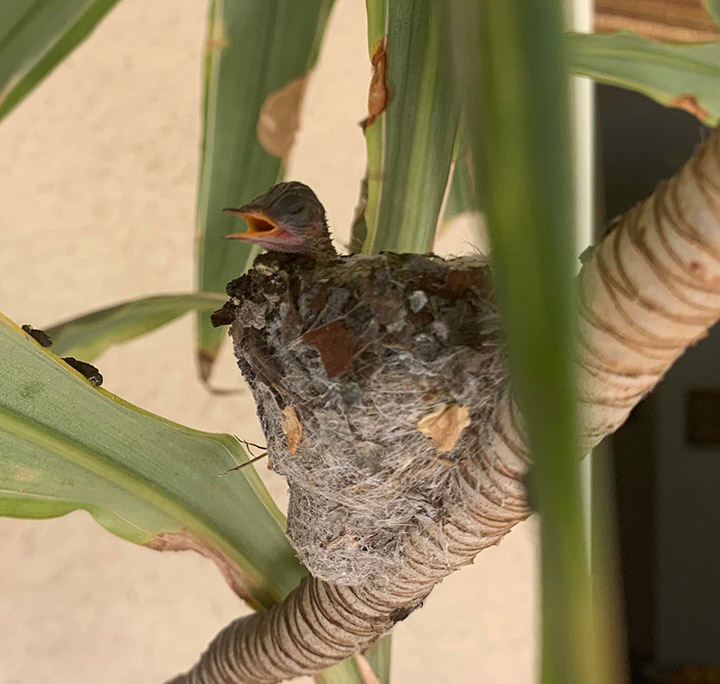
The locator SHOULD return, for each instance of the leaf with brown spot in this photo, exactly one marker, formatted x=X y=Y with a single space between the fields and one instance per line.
x=292 y=428
x=378 y=94
x=279 y=117
x=217 y=36
x=335 y=343
x=445 y=425
x=141 y=477
x=690 y=104
x=252 y=82
x=684 y=75
x=234 y=575
x=410 y=132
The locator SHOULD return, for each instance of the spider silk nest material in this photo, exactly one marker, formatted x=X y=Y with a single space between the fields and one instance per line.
x=375 y=380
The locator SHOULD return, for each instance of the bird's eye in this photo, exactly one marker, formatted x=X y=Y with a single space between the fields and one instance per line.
x=298 y=209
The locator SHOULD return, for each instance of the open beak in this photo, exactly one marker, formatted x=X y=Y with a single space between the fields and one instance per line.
x=260 y=225
x=263 y=230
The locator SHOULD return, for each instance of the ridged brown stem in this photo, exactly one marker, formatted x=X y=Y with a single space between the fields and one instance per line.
x=651 y=290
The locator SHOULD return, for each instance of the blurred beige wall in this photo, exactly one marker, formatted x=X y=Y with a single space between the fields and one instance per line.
x=97 y=198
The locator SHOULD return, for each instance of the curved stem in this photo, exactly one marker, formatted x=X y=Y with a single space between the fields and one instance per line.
x=651 y=290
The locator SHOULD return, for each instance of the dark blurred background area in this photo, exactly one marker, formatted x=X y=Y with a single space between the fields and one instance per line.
x=666 y=458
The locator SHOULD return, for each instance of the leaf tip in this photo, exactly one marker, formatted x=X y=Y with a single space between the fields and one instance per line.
x=205 y=363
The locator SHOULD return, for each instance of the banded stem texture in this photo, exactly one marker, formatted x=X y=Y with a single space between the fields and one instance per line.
x=651 y=289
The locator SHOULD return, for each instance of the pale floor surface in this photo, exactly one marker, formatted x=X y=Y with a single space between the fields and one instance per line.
x=98 y=191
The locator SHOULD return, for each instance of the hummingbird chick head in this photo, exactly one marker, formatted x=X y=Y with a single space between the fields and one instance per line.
x=287 y=218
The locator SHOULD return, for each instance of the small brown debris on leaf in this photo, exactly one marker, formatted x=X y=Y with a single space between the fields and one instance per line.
x=40 y=336
x=378 y=95
x=292 y=428
x=336 y=345
x=444 y=425
x=85 y=369
x=280 y=118
x=690 y=104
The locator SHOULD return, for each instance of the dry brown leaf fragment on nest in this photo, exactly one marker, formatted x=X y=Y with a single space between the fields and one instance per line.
x=292 y=428
x=335 y=343
x=445 y=425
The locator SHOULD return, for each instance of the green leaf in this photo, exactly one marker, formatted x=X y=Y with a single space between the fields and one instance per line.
x=35 y=35
x=372 y=667
x=90 y=335
x=346 y=672
x=66 y=445
x=685 y=75
x=713 y=9
x=258 y=54
x=462 y=196
x=379 y=657
x=513 y=79
x=411 y=127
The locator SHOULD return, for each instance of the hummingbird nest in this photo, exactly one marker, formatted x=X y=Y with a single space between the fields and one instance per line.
x=375 y=380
